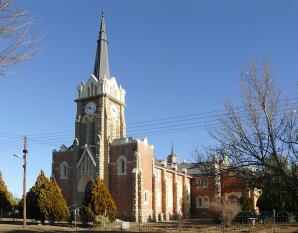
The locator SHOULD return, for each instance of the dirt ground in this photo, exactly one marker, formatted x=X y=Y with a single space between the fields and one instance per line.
x=59 y=229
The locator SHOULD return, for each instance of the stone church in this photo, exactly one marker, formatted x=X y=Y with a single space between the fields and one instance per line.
x=144 y=188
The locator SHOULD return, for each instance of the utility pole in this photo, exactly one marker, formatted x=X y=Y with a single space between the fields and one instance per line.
x=25 y=151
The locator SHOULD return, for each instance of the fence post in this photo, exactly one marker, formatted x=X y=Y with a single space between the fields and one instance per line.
x=75 y=218
x=274 y=221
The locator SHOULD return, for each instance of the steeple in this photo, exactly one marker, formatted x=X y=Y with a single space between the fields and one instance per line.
x=101 y=66
x=172 y=158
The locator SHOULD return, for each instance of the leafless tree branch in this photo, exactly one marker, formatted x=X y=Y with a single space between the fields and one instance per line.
x=17 y=40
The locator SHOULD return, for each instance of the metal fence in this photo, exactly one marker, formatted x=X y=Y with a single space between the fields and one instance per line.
x=190 y=225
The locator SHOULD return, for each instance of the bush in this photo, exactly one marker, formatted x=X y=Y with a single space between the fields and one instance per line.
x=86 y=213
x=101 y=220
x=225 y=211
x=246 y=204
x=98 y=202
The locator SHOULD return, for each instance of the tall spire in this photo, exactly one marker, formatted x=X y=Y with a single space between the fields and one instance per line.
x=101 y=66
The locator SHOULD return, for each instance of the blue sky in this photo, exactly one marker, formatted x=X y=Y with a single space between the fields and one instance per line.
x=172 y=57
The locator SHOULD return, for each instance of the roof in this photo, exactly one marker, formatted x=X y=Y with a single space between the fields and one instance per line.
x=192 y=168
x=101 y=66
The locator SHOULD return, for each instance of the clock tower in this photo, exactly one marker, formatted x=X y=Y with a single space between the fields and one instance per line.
x=99 y=119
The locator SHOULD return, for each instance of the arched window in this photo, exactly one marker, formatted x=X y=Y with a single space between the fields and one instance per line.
x=64 y=170
x=83 y=134
x=121 y=165
x=88 y=91
x=199 y=203
x=91 y=133
x=92 y=91
x=206 y=202
x=95 y=89
x=202 y=202
x=88 y=128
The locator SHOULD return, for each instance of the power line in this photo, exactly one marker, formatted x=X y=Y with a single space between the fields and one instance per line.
x=149 y=127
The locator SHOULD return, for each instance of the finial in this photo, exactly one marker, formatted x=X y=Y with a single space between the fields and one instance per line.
x=102 y=14
x=172 y=152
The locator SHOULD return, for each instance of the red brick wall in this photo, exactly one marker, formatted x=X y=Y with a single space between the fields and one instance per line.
x=196 y=191
x=147 y=168
x=233 y=184
x=66 y=185
x=121 y=186
x=158 y=186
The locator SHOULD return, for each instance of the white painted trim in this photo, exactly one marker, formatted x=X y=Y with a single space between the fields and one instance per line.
x=88 y=152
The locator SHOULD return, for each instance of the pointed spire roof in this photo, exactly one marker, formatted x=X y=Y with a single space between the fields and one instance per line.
x=101 y=66
x=172 y=158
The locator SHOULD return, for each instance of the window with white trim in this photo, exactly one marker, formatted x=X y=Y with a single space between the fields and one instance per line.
x=64 y=170
x=202 y=183
x=199 y=202
x=202 y=202
x=121 y=165
x=157 y=174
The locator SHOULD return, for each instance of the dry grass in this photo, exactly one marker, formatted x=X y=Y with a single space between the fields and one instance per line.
x=9 y=228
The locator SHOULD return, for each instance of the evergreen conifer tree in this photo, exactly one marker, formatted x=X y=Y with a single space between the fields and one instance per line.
x=45 y=200
x=102 y=202
x=51 y=202
x=5 y=196
x=98 y=201
x=33 y=210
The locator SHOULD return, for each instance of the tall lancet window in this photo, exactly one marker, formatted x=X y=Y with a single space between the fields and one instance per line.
x=95 y=90
x=92 y=133
x=88 y=130
x=83 y=135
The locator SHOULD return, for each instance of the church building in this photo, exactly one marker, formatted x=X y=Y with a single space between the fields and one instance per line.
x=143 y=187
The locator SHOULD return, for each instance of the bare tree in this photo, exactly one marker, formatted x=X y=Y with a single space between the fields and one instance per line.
x=259 y=140
x=225 y=209
x=17 y=41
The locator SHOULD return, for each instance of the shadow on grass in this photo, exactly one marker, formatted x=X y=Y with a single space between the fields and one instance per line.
x=16 y=227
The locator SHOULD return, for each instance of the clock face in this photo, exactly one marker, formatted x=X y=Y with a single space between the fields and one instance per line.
x=114 y=111
x=90 y=108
